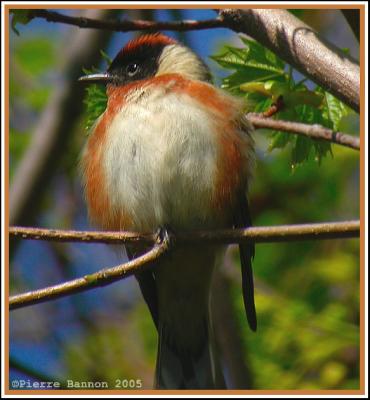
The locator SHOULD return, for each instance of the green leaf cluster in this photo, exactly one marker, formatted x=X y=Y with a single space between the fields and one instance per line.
x=261 y=78
x=95 y=102
x=96 y=97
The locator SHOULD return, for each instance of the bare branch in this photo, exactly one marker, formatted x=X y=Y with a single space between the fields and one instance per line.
x=300 y=46
x=317 y=132
x=265 y=234
x=101 y=278
x=81 y=236
x=347 y=229
x=126 y=25
x=294 y=41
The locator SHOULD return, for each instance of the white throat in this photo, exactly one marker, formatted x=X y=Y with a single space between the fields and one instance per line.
x=177 y=59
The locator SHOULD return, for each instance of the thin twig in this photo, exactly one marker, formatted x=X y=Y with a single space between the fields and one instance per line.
x=295 y=42
x=81 y=236
x=265 y=234
x=313 y=131
x=101 y=278
x=126 y=25
x=347 y=229
x=277 y=106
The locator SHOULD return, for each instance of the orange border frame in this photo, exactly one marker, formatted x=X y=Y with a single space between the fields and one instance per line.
x=361 y=391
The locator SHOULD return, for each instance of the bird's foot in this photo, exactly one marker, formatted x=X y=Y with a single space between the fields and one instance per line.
x=164 y=234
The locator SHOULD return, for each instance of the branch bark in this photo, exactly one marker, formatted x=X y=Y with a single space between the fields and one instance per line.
x=265 y=234
x=126 y=25
x=98 y=279
x=104 y=277
x=317 y=132
x=294 y=41
x=300 y=46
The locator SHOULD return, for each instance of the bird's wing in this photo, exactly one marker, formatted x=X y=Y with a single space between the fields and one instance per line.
x=242 y=219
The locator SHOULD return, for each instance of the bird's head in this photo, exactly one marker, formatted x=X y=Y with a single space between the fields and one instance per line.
x=148 y=56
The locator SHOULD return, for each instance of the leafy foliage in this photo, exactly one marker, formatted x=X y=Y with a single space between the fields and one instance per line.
x=96 y=97
x=261 y=77
x=95 y=102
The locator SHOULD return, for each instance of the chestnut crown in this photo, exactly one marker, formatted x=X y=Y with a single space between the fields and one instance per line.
x=152 y=55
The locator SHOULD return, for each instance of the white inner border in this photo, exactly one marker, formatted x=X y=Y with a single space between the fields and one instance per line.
x=185 y=3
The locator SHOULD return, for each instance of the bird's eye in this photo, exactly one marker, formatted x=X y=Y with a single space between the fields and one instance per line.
x=132 y=69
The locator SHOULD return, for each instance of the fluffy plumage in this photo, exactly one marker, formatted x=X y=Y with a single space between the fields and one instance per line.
x=172 y=150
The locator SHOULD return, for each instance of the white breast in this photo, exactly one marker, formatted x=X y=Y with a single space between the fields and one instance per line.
x=160 y=162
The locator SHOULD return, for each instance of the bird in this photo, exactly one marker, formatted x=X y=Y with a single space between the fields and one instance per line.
x=173 y=151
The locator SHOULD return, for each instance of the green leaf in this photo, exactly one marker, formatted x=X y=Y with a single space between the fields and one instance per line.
x=253 y=56
x=257 y=102
x=261 y=77
x=95 y=101
x=311 y=115
x=334 y=110
x=279 y=140
x=19 y=17
x=106 y=58
x=301 y=150
x=261 y=54
x=230 y=59
x=292 y=98
x=258 y=87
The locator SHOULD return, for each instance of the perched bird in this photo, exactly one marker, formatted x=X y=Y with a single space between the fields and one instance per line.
x=172 y=150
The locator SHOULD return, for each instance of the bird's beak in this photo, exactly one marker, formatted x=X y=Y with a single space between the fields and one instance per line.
x=99 y=78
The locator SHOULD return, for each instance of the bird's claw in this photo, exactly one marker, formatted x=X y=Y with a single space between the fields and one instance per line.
x=165 y=235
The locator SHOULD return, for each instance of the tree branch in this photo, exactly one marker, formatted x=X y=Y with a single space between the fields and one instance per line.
x=81 y=236
x=127 y=25
x=317 y=132
x=101 y=278
x=104 y=277
x=265 y=234
x=301 y=47
x=280 y=31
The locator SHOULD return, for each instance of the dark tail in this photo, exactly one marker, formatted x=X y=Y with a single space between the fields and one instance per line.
x=190 y=366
